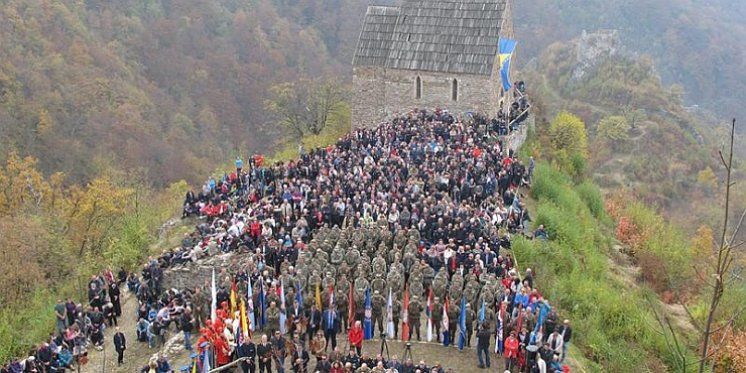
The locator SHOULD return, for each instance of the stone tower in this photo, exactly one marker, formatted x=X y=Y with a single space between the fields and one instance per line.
x=427 y=54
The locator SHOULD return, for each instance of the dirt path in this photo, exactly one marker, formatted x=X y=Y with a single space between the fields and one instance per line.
x=138 y=353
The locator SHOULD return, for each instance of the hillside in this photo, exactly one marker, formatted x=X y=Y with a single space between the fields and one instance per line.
x=694 y=43
x=167 y=87
x=644 y=141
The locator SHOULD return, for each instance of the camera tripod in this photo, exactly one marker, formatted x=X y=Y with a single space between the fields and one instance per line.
x=407 y=352
x=385 y=345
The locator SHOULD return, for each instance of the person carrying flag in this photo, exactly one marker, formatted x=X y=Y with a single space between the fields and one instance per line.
x=390 y=323
x=429 y=315
x=446 y=324
x=483 y=344
x=330 y=323
x=405 y=317
x=368 y=327
x=462 y=325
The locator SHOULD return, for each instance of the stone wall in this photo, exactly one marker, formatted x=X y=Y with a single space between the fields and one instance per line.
x=199 y=274
x=378 y=93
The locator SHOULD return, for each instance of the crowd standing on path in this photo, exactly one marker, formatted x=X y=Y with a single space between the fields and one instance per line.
x=411 y=218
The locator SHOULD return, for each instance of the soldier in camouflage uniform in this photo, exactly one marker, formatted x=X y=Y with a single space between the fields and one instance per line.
x=342 y=307
x=361 y=284
x=337 y=255
x=328 y=281
x=469 y=323
x=437 y=317
x=273 y=318
x=395 y=281
x=455 y=290
x=379 y=265
x=378 y=284
x=471 y=291
x=314 y=280
x=378 y=302
x=396 y=306
x=454 y=310
x=428 y=275
x=353 y=257
x=415 y=309
x=440 y=284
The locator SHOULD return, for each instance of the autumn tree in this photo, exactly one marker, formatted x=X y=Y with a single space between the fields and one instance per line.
x=568 y=142
x=92 y=213
x=306 y=106
x=613 y=130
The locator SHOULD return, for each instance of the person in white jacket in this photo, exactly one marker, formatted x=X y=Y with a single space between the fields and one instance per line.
x=555 y=342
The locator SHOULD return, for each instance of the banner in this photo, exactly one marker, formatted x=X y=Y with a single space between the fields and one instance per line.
x=505 y=48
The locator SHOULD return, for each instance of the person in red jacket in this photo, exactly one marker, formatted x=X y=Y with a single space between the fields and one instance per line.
x=511 y=351
x=355 y=336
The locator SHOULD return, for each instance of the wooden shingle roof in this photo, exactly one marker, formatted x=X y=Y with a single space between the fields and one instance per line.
x=453 y=36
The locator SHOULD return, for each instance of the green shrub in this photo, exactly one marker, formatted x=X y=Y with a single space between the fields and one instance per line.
x=614 y=325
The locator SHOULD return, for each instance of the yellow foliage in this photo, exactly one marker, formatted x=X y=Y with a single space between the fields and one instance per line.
x=702 y=242
x=707 y=178
x=613 y=129
x=92 y=212
x=21 y=185
x=567 y=134
x=45 y=123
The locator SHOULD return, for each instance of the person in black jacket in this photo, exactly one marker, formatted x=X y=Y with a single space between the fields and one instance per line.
x=566 y=332
x=264 y=352
x=247 y=349
x=120 y=344
x=483 y=345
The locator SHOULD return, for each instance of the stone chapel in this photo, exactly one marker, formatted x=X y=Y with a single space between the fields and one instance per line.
x=428 y=54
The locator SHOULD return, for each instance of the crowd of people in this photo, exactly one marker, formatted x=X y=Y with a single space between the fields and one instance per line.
x=411 y=218
x=78 y=327
x=420 y=209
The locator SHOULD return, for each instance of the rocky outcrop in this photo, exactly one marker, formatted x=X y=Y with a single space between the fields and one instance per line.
x=593 y=47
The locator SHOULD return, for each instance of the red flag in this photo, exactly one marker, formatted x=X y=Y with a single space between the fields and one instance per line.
x=351 y=307
x=405 y=316
x=331 y=296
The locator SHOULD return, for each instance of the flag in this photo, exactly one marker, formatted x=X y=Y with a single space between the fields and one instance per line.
x=244 y=323
x=331 y=296
x=194 y=367
x=446 y=322
x=299 y=295
x=462 y=325
x=405 y=317
x=505 y=52
x=499 y=334
x=368 y=322
x=206 y=361
x=250 y=310
x=214 y=302
x=429 y=314
x=543 y=311
x=482 y=311
x=283 y=310
x=351 y=307
x=318 y=298
x=390 y=316
x=262 y=304
x=234 y=299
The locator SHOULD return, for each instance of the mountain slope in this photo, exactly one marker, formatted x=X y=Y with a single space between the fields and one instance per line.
x=695 y=43
x=165 y=86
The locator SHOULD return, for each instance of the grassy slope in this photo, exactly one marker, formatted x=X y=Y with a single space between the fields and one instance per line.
x=613 y=324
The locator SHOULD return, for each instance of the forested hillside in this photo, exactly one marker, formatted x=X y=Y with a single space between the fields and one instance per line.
x=644 y=141
x=170 y=87
x=697 y=44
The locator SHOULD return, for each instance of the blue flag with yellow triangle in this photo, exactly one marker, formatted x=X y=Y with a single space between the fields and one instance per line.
x=505 y=48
